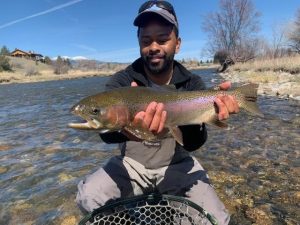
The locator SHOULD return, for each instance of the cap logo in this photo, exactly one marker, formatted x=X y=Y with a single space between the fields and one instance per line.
x=153 y=8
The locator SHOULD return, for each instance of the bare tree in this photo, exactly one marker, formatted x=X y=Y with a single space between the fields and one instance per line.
x=61 y=65
x=233 y=29
x=294 y=35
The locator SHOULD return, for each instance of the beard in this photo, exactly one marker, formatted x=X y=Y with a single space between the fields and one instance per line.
x=158 y=68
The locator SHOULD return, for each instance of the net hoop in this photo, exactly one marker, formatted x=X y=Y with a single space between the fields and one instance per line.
x=134 y=210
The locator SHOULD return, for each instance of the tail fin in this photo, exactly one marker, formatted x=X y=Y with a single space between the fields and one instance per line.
x=249 y=98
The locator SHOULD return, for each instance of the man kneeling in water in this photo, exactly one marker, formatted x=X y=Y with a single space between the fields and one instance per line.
x=168 y=168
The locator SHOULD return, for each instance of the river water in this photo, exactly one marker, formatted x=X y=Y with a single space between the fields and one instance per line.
x=254 y=164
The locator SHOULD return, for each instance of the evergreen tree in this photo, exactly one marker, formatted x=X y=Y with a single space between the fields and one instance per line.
x=47 y=60
x=4 y=51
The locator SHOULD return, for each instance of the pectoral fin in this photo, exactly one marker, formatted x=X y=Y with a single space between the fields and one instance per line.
x=140 y=132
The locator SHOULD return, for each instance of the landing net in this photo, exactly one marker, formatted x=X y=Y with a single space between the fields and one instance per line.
x=153 y=209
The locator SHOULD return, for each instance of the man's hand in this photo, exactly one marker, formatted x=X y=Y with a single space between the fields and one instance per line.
x=226 y=104
x=153 y=118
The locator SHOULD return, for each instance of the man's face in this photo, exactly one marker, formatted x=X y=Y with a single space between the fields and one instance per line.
x=158 y=45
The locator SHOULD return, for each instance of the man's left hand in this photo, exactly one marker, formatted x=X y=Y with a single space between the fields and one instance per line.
x=226 y=104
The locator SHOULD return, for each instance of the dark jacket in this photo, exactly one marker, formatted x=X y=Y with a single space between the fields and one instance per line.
x=194 y=136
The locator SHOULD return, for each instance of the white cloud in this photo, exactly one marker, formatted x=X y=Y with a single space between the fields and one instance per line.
x=40 y=13
x=85 y=47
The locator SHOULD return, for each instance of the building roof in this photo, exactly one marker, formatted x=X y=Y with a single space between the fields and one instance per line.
x=31 y=54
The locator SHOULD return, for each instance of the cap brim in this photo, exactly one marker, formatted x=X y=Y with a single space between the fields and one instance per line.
x=140 y=19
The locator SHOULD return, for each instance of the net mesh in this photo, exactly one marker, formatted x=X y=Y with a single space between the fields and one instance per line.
x=153 y=210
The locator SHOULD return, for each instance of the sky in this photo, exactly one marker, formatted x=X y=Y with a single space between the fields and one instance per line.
x=103 y=30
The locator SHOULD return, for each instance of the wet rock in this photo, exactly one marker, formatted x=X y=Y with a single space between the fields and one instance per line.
x=259 y=216
x=50 y=150
x=296 y=120
x=290 y=221
x=22 y=213
x=297 y=196
x=69 y=220
x=3 y=169
x=5 y=147
x=223 y=177
x=63 y=177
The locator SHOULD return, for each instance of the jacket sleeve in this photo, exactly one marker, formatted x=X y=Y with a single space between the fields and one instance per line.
x=120 y=79
x=194 y=136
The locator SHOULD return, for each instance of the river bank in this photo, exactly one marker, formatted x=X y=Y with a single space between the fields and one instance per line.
x=47 y=75
x=28 y=71
x=276 y=77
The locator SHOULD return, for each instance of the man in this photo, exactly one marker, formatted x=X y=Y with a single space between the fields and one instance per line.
x=167 y=168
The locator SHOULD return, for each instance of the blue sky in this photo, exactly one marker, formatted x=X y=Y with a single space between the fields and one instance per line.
x=104 y=30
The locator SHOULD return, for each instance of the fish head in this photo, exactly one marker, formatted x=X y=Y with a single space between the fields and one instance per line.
x=89 y=111
x=100 y=113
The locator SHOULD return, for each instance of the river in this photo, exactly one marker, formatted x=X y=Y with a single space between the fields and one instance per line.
x=254 y=164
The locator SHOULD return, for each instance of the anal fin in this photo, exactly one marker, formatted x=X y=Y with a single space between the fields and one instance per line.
x=177 y=134
x=214 y=121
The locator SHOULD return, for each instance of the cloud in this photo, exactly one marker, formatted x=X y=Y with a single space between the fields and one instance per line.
x=86 y=48
x=40 y=13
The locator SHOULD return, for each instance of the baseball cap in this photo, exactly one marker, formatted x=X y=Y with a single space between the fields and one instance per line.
x=160 y=8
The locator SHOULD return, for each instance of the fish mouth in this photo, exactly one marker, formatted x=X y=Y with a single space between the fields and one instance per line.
x=86 y=125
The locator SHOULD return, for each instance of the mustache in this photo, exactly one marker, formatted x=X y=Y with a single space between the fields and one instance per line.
x=151 y=56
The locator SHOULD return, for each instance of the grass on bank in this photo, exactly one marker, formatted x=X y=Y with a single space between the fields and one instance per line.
x=285 y=64
x=269 y=70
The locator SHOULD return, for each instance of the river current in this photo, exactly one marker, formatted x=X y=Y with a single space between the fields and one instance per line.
x=253 y=164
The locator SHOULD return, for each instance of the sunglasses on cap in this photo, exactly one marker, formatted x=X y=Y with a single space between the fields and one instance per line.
x=160 y=4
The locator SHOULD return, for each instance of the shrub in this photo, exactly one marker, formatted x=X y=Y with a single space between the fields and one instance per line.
x=220 y=56
x=31 y=71
x=4 y=64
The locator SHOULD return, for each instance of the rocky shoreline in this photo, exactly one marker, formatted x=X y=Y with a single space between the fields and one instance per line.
x=280 y=84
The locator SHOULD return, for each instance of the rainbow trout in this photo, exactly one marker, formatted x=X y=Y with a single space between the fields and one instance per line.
x=114 y=110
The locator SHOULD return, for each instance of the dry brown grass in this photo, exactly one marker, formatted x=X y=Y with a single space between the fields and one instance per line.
x=285 y=64
x=25 y=71
x=47 y=75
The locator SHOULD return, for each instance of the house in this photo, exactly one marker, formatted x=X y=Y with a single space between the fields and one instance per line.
x=28 y=55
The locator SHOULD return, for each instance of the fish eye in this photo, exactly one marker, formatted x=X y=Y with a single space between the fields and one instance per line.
x=95 y=111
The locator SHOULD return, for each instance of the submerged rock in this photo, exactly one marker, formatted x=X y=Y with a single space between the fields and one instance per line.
x=69 y=220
